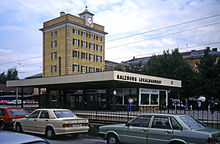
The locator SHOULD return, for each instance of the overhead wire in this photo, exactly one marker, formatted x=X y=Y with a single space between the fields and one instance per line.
x=166 y=27
x=186 y=30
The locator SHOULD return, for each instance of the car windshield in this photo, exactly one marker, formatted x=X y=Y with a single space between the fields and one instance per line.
x=17 y=112
x=64 y=113
x=192 y=123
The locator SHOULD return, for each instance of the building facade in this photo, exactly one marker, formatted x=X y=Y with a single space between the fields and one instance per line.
x=73 y=45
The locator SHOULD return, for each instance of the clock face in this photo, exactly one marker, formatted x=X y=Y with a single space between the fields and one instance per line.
x=89 y=20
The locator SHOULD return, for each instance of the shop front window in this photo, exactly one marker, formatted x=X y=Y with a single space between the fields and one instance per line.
x=154 y=99
x=145 y=99
x=132 y=93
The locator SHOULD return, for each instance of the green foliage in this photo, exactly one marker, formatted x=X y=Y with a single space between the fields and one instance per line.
x=172 y=65
x=11 y=75
x=209 y=75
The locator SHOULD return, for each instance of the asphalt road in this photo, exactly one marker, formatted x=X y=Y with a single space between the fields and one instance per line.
x=79 y=140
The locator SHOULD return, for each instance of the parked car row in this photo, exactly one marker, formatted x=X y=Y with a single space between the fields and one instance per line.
x=13 y=102
x=160 y=129
x=143 y=129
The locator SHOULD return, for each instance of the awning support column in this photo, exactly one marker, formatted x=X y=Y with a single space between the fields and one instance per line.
x=22 y=97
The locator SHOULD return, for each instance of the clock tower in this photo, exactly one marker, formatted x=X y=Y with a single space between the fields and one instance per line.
x=88 y=17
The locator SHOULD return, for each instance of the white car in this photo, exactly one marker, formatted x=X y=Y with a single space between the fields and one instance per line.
x=52 y=122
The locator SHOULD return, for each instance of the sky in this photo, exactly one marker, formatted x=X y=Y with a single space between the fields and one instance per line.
x=136 y=28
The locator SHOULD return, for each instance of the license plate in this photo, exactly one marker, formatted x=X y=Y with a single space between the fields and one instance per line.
x=77 y=125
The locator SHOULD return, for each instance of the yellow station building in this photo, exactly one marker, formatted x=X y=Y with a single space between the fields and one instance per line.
x=73 y=45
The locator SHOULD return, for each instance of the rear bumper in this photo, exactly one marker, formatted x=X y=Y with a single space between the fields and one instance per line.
x=62 y=131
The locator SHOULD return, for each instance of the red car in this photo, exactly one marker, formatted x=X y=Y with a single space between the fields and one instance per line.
x=8 y=114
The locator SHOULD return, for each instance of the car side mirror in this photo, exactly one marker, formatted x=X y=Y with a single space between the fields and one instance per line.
x=127 y=124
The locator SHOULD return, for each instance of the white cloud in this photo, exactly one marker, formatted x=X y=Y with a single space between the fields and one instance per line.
x=5 y=51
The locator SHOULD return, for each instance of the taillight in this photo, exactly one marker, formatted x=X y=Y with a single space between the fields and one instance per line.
x=85 y=124
x=212 y=140
x=67 y=125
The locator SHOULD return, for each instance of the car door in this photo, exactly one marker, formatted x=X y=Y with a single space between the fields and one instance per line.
x=136 y=131
x=29 y=123
x=42 y=121
x=160 y=131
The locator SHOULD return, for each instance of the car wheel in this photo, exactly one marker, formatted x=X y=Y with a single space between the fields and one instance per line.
x=50 y=133
x=112 y=139
x=74 y=135
x=18 y=128
x=2 y=125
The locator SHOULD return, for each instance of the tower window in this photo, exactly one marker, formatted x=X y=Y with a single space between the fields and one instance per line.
x=91 y=57
x=76 y=42
x=99 y=58
x=53 y=33
x=98 y=38
x=53 y=55
x=75 y=54
x=54 y=69
x=76 y=31
x=84 y=69
x=91 y=69
x=98 y=69
x=75 y=68
x=92 y=36
x=83 y=55
x=98 y=47
x=84 y=44
x=54 y=43
x=84 y=34
x=92 y=46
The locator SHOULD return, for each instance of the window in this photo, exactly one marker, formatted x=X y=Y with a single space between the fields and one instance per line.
x=141 y=121
x=98 y=47
x=76 y=31
x=2 y=112
x=98 y=38
x=161 y=122
x=75 y=54
x=17 y=112
x=84 y=34
x=34 y=114
x=64 y=113
x=84 y=44
x=91 y=69
x=54 y=69
x=83 y=55
x=53 y=55
x=92 y=36
x=75 y=42
x=54 y=43
x=44 y=115
x=154 y=99
x=92 y=46
x=91 y=57
x=75 y=68
x=54 y=33
x=175 y=124
x=84 y=69
x=98 y=69
x=99 y=58
x=191 y=122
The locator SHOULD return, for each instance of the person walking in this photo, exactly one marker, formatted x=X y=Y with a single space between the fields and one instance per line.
x=212 y=105
x=130 y=101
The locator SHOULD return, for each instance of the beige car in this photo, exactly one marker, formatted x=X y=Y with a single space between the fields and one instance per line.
x=52 y=122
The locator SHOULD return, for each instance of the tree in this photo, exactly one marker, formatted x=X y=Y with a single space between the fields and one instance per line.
x=175 y=67
x=209 y=74
x=12 y=74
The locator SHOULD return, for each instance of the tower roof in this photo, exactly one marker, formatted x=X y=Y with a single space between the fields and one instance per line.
x=86 y=11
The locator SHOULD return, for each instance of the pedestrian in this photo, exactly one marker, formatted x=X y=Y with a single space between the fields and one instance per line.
x=186 y=104
x=212 y=105
x=130 y=101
